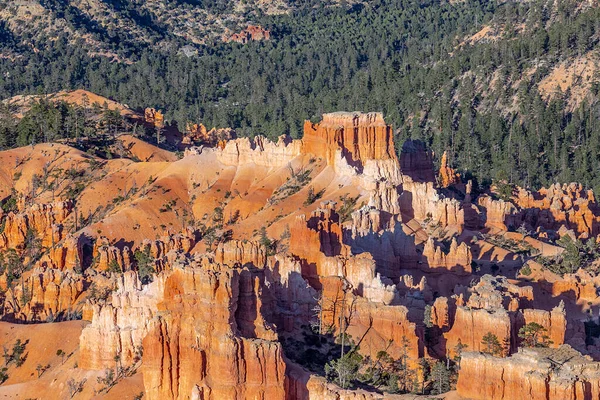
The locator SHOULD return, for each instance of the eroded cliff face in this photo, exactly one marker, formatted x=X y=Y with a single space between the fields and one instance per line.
x=529 y=374
x=360 y=137
x=501 y=308
x=196 y=347
x=119 y=323
x=259 y=151
x=43 y=295
x=42 y=220
x=390 y=251
x=200 y=329
x=569 y=205
x=422 y=201
x=458 y=259
x=555 y=209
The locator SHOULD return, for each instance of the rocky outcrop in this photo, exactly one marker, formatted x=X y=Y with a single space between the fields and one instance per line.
x=318 y=236
x=259 y=151
x=195 y=348
x=569 y=205
x=67 y=255
x=200 y=328
x=119 y=325
x=558 y=208
x=236 y=252
x=458 y=259
x=44 y=295
x=422 y=202
x=111 y=257
x=302 y=385
x=360 y=137
x=580 y=286
x=500 y=307
x=446 y=175
x=154 y=117
x=44 y=220
x=442 y=313
x=542 y=374
x=177 y=242
x=386 y=327
x=554 y=321
x=198 y=134
x=470 y=326
x=492 y=292
x=251 y=33
x=498 y=214
x=359 y=145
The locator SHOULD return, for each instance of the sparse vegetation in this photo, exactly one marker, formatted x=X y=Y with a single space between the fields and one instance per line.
x=576 y=255
x=526 y=270
x=297 y=180
x=534 y=335
x=75 y=386
x=3 y=375
x=313 y=196
x=17 y=355
x=347 y=208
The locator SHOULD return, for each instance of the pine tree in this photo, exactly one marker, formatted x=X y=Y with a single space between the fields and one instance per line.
x=491 y=344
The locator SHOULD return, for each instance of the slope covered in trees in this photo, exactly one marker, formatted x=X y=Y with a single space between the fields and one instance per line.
x=476 y=99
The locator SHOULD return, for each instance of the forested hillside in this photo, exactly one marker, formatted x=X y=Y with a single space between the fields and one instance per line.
x=508 y=89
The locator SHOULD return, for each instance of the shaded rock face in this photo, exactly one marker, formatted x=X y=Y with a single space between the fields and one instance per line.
x=530 y=374
x=458 y=259
x=498 y=307
x=416 y=162
x=201 y=332
x=555 y=209
x=351 y=287
x=569 y=205
x=196 y=346
x=318 y=236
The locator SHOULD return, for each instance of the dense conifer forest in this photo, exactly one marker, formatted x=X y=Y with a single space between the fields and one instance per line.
x=410 y=59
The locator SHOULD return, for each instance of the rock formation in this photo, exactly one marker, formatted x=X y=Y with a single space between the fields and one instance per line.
x=43 y=220
x=251 y=33
x=195 y=348
x=154 y=117
x=458 y=259
x=530 y=374
x=447 y=176
x=400 y=258
x=197 y=133
x=360 y=137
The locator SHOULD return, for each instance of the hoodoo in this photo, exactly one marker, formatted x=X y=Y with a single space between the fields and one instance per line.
x=260 y=269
